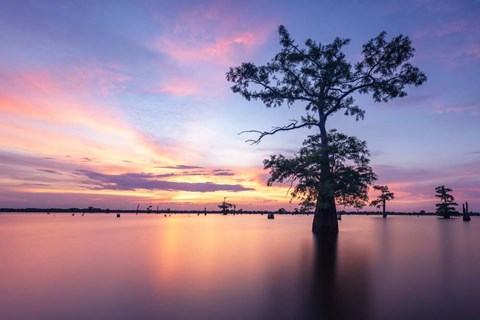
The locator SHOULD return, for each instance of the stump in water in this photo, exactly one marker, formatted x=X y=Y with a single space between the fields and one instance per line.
x=118 y=215
x=271 y=216
x=466 y=214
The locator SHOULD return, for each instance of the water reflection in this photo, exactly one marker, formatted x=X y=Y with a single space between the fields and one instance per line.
x=324 y=302
x=340 y=287
x=326 y=284
x=237 y=267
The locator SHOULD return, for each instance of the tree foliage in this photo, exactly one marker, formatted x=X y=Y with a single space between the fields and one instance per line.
x=349 y=169
x=382 y=198
x=320 y=77
x=447 y=202
x=226 y=206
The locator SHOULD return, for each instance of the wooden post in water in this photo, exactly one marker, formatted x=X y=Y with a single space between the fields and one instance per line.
x=466 y=214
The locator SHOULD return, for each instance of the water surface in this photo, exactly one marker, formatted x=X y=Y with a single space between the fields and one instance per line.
x=236 y=267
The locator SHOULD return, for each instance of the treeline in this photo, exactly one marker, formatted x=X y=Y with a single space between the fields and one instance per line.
x=174 y=211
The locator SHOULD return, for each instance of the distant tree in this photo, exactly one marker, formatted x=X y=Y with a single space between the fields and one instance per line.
x=349 y=168
x=226 y=206
x=319 y=78
x=382 y=199
x=447 y=202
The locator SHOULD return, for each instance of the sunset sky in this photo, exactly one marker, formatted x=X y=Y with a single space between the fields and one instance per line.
x=117 y=103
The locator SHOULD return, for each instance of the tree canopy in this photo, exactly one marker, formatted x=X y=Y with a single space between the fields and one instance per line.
x=320 y=77
x=447 y=202
x=349 y=168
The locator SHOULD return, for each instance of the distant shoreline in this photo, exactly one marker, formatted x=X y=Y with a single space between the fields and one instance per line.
x=238 y=212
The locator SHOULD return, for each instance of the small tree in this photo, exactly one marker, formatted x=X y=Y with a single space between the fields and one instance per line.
x=382 y=199
x=349 y=167
x=446 y=206
x=226 y=206
x=319 y=78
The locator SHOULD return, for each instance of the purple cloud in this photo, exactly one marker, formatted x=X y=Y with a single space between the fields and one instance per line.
x=181 y=167
x=223 y=172
x=49 y=171
x=134 y=181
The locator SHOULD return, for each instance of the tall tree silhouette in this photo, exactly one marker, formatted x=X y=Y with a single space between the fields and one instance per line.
x=319 y=77
x=447 y=202
x=382 y=199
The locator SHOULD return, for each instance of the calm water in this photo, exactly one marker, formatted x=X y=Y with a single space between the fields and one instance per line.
x=237 y=267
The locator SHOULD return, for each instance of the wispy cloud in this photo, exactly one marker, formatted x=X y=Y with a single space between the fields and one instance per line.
x=223 y=172
x=49 y=171
x=469 y=108
x=180 y=167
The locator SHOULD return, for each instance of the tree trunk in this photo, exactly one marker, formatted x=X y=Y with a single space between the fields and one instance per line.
x=384 y=214
x=325 y=217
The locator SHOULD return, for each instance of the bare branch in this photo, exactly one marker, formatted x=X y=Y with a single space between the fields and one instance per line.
x=292 y=181
x=292 y=126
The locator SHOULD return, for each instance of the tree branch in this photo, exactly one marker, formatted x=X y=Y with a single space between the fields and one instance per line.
x=292 y=126
x=277 y=92
x=299 y=82
x=301 y=52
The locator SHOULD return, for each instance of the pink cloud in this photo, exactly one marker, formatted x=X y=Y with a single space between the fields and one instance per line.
x=58 y=95
x=203 y=60
x=202 y=42
x=41 y=116
x=106 y=79
x=87 y=79
x=221 y=51
x=177 y=87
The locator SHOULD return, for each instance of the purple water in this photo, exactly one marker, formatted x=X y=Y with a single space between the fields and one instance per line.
x=237 y=267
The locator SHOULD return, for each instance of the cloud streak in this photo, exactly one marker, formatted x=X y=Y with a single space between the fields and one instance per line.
x=135 y=181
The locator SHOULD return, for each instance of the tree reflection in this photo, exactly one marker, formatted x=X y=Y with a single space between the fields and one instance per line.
x=338 y=290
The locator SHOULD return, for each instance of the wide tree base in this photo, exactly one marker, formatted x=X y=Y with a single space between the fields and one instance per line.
x=325 y=221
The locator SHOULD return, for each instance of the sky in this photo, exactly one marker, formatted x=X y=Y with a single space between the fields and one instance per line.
x=115 y=104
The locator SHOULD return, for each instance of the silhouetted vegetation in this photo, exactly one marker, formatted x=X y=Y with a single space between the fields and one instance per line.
x=226 y=206
x=183 y=211
x=447 y=202
x=349 y=169
x=382 y=199
x=319 y=78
